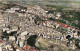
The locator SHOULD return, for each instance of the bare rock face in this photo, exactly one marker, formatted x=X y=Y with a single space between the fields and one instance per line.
x=42 y=44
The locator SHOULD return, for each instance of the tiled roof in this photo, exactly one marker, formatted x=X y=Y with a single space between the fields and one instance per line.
x=61 y=24
x=75 y=35
x=1 y=41
x=27 y=46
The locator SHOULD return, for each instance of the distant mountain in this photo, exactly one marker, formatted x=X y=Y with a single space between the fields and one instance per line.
x=70 y=3
x=39 y=0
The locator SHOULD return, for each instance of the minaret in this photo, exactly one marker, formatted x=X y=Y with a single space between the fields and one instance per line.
x=1 y=20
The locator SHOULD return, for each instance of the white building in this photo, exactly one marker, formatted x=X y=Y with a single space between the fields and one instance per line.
x=12 y=38
x=21 y=43
x=24 y=33
x=17 y=50
x=0 y=48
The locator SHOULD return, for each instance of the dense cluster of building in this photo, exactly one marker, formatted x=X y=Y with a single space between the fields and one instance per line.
x=19 y=25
